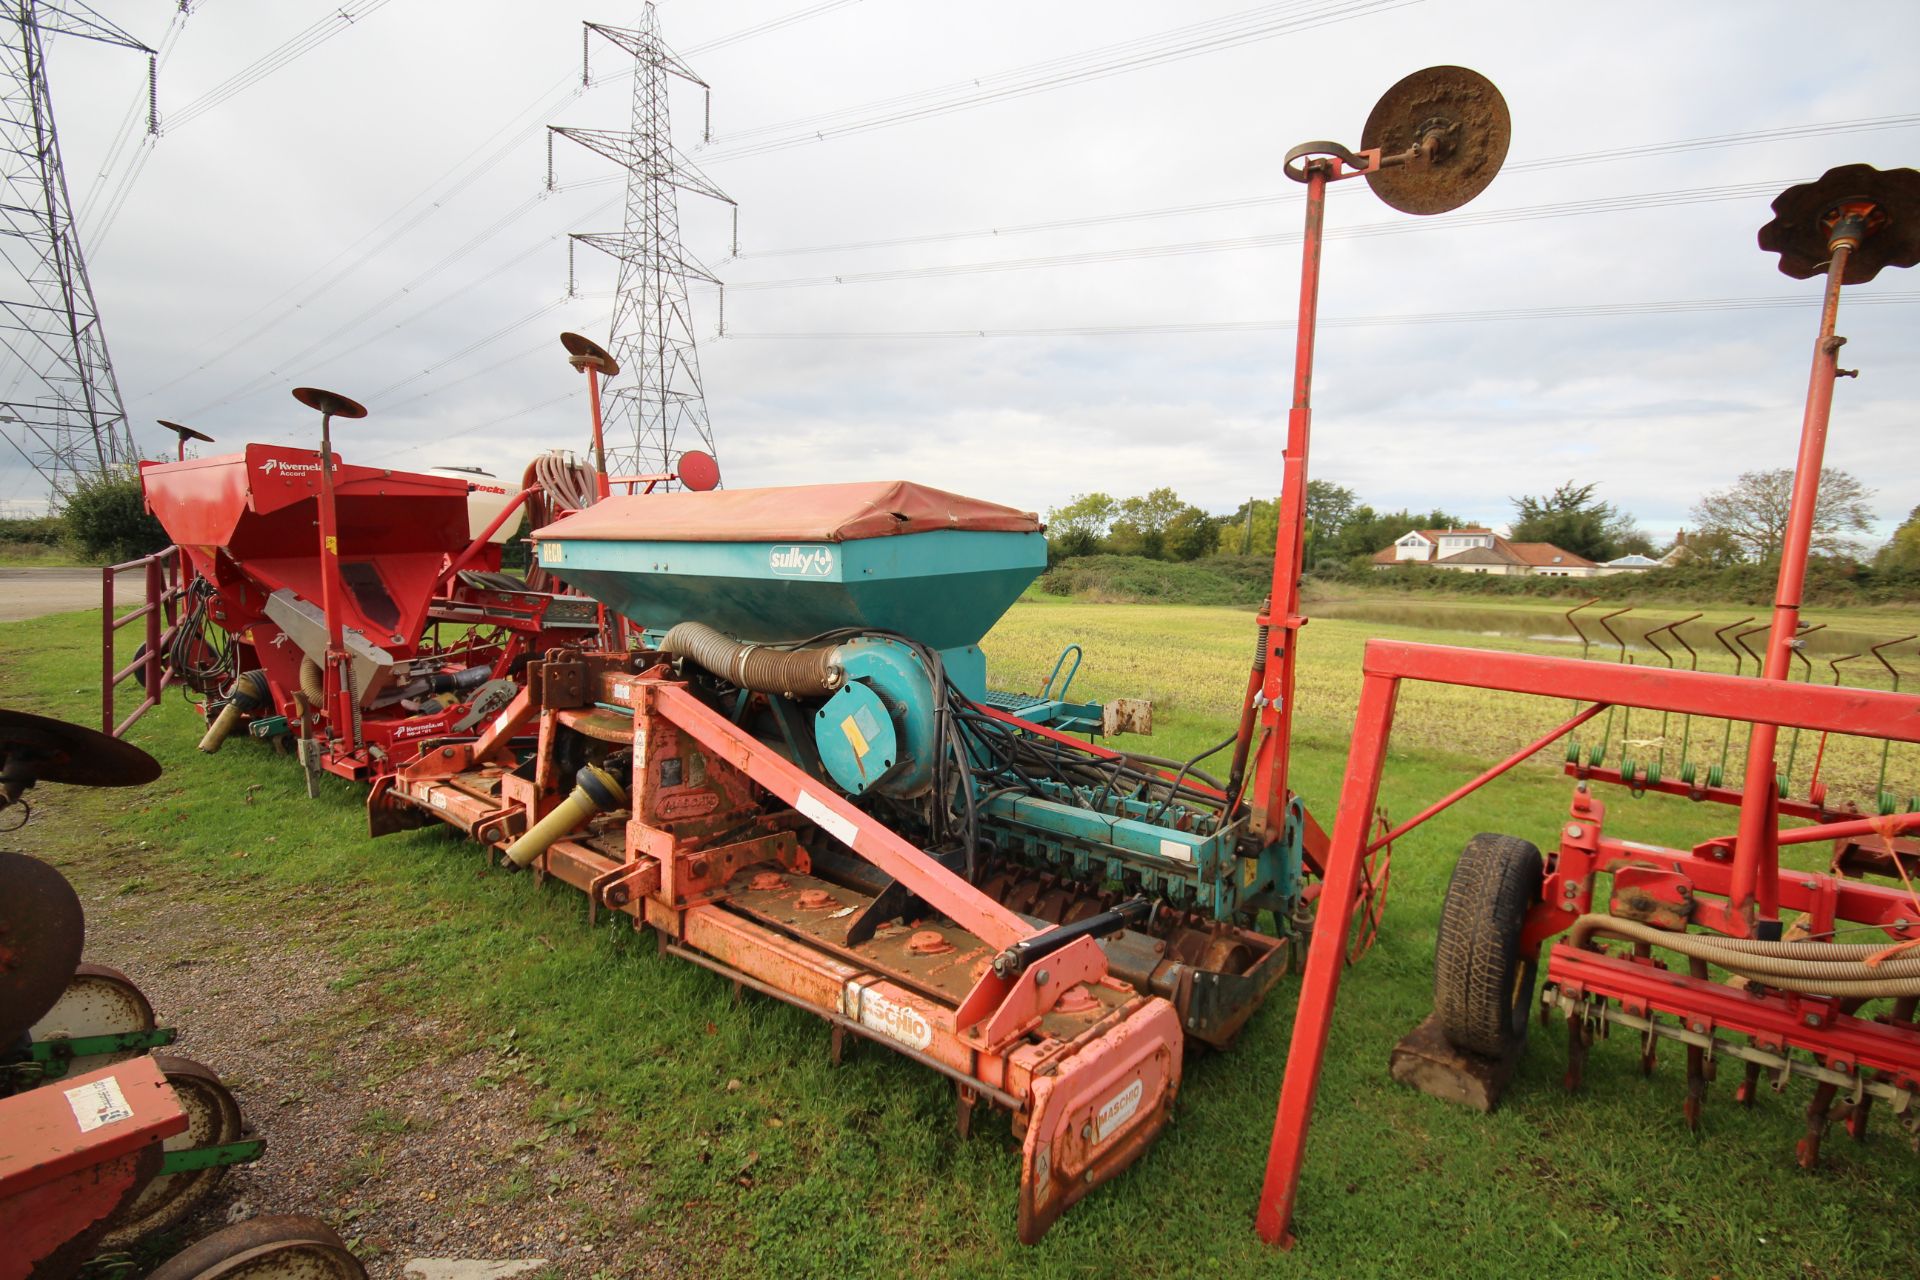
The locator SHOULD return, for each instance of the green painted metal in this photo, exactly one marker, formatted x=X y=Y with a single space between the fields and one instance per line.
x=190 y=1159
x=945 y=588
x=57 y=1053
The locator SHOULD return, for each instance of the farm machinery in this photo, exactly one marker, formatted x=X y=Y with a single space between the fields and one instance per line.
x=774 y=743
x=103 y=1143
x=1718 y=950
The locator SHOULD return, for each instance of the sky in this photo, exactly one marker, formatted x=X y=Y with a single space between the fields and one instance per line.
x=372 y=217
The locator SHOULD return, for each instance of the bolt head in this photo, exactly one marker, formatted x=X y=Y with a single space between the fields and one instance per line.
x=1575 y=831
x=1041 y=978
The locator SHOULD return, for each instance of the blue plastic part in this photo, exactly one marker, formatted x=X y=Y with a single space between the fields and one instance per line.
x=945 y=588
x=903 y=688
x=855 y=737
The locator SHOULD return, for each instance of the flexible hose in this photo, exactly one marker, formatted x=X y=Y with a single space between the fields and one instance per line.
x=798 y=673
x=313 y=682
x=1810 y=968
x=249 y=693
x=565 y=482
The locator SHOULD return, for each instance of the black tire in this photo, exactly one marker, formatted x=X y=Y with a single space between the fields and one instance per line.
x=1482 y=984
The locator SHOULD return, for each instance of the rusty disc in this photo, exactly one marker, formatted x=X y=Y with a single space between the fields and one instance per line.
x=42 y=931
x=40 y=749
x=1803 y=221
x=329 y=402
x=1471 y=119
x=698 y=470
x=585 y=352
x=185 y=433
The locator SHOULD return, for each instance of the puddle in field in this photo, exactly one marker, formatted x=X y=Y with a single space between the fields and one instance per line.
x=1825 y=644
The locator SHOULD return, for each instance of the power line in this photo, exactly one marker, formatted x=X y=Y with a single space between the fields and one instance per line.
x=340 y=19
x=1175 y=44
x=1566 y=311
x=1398 y=226
x=1291 y=194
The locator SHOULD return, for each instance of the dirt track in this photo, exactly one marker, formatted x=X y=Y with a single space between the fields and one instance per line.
x=33 y=593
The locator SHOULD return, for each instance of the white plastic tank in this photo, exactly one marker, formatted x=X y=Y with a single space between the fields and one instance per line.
x=486 y=498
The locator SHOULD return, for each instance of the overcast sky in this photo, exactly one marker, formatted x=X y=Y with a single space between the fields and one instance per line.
x=300 y=232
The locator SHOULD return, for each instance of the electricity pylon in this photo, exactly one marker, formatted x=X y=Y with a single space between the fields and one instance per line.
x=61 y=407
x=658 y=402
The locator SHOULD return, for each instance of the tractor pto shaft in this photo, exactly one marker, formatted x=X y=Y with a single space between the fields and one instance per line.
x=595 y=790
x=1012 y=962
x=248 y=694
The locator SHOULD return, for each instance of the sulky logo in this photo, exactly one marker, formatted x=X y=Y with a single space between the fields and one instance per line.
x=281 y=467
x=801 y=562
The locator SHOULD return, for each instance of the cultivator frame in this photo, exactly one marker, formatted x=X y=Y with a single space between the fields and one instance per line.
x=1795 y=989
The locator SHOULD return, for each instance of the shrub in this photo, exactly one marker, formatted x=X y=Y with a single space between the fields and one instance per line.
x=108 y=517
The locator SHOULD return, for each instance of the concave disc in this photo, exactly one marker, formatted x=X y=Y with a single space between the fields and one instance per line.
x=329 y=402
x=48 y=750
x=1475 y=127
x=185 y=433
x=1799 y=232
x=585 y=350
x=698 y=470
x=42 y=931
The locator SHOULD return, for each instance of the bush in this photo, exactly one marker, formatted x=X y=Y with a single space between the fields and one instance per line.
x=1231 y=580
x=108 y=517
x=40 y=531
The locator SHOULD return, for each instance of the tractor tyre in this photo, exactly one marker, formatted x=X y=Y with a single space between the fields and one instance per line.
x=1482 y=984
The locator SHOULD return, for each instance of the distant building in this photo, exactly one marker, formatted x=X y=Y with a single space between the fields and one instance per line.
x=1483 y=551
x=1635 y=563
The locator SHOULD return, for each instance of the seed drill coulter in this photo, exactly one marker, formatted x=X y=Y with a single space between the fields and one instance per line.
x=1717 y=950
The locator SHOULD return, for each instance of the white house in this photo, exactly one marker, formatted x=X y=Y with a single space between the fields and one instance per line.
x=1482 y=551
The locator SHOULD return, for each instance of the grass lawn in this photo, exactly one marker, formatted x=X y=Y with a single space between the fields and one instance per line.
x=807 y=1169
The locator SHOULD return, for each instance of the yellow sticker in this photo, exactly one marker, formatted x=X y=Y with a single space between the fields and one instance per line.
x=854 y=736
x=1249 y=869
x=333 y=546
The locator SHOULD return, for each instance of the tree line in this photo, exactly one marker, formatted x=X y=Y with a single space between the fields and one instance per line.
x=1743 y=523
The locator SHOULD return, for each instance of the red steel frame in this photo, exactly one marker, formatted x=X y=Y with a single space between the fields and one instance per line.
x=1743 y=870
x=1584 y=852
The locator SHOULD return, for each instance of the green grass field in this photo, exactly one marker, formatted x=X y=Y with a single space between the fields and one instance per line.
x=856 y=1170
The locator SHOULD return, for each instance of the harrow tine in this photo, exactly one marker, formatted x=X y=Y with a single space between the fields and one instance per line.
x=1893 y=674
x=1749 y=1088
x=1696 y=1086
x=1819 y=1112
x=1579 y=1040
x=1726 y=736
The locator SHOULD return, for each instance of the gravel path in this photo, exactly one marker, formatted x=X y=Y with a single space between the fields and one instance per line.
x=395 y=1129
x=33 y=593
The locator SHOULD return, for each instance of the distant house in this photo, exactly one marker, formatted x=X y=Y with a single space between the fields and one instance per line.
x=1482 y=551
x=1635 y=563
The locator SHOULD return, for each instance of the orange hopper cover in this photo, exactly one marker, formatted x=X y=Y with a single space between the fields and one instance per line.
x=792 y=513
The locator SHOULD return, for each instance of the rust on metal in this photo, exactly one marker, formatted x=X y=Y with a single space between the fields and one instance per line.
x=42 y=931
x=1449 y=126
x=1885 y=203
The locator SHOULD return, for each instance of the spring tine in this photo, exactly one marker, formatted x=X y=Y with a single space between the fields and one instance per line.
x=1726 y=735
x=1893 y=674
x=1578 y=1039
x=1749 y=1088
x=1693 y=664
x=1568 y=615
x=1696 y=1086
x=1819 y=1111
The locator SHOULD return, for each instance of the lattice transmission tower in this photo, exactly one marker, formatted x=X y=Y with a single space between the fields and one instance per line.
x=60 y=405
x=657 y=406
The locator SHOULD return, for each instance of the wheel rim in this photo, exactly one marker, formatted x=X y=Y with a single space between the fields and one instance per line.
x=99 y=1001
x=213 y=1119
x=281 y=1247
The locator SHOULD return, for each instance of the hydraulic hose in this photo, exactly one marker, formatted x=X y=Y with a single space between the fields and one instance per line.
x=595 y=789
x=1810 y=968
x=798 y=673
x=248 y=693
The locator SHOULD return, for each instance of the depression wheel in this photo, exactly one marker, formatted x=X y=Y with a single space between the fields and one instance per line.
x=213 y=1120
x=99 y=1001
x=1482 y=984
x=290 y=1246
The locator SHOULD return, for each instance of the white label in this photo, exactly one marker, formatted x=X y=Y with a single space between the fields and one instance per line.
x=439 y=799
x=893 y=1019
x=801 y=562
x=553 y=553
x=832 y=823
x=1117 y=1110
x=1174 y=849
x=500 y=721
x=623 y=693
x=98 y=1103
